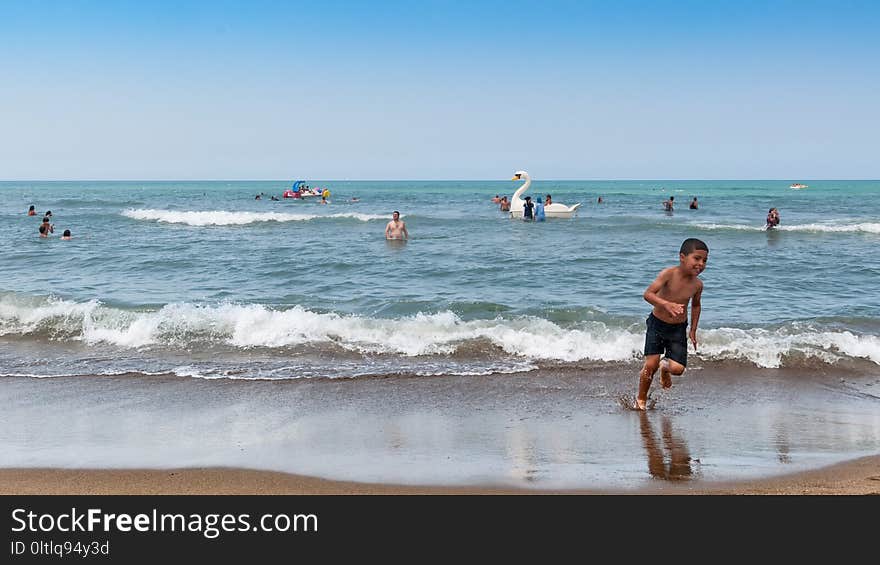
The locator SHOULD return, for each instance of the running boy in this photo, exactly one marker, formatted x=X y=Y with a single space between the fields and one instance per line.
x=667 y=331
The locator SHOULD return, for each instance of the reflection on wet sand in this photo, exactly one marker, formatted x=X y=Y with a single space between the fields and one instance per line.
x=781 y=443
x=668 y=457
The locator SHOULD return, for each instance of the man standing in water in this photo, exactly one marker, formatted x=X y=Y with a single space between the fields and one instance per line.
x=396 y=228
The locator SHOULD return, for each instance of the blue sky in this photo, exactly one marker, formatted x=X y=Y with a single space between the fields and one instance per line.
x=439 y=90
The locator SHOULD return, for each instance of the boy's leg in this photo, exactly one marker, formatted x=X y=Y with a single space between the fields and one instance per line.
x=675 y=359
x=645 y=377
x=668 y=367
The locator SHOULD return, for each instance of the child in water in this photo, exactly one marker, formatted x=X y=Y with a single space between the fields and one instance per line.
x=539 y=210
x=772 y=218
x=528 y=209
x=667 y=333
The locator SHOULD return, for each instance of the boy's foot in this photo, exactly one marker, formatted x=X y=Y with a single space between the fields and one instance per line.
x=640 y=404
x=665 y=377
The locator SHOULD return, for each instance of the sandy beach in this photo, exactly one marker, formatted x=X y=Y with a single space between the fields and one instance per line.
x=718 y=430
x=857 y=477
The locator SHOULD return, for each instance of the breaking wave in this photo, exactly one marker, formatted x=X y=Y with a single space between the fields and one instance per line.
x=864 y=227
x=226 y=218
x=248 y=326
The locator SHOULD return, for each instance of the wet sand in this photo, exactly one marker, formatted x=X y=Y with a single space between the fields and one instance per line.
x=720 y=429
x=857 y=477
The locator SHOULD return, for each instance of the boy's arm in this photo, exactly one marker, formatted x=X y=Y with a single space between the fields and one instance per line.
x=696 y=307
x=651 y=296
x=387 y=228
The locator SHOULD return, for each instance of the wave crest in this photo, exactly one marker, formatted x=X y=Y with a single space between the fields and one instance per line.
x=227 y=218
x=864 y=227
x=241 y=327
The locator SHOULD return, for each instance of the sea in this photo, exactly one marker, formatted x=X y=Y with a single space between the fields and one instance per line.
x=202 y=281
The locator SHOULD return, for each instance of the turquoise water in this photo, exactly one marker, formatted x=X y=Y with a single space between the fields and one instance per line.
x=200 y=279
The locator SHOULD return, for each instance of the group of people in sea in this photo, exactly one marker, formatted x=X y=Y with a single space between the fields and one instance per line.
x=669 y=204
x=300 y=193
x=534 y=211
x=46 y=226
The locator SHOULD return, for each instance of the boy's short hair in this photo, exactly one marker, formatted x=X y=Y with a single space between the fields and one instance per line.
x=692 y=244
x=66 y=233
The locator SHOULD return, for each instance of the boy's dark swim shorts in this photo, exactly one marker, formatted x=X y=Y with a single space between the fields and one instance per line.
x=670 y=339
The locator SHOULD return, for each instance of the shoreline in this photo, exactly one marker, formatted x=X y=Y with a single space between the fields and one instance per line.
x=855 y=477
x=555 y=431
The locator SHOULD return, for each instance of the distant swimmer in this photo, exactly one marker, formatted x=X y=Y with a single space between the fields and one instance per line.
x=396 y=228
x=772 y=218
x=497 y=199
x=50 y=228
x=66 y=235
x=355 y=199
x=694 y=205
x=599 y=201
x=539 y=210
x=668 y=204
x=44 y=230
x=504 y=205
x=667 y=331
x=32 y=211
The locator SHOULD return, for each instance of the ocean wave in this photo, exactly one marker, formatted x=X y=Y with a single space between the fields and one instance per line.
x=769 y=348
x=864 y=227
x=227 y=218
x=242 y=327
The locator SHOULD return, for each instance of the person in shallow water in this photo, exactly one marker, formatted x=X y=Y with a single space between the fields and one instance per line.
x=528 y=209
x=772 y=218
x=396 y=228
x=539 y=210
x=667 y=324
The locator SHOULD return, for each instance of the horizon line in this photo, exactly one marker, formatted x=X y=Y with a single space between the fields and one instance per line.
x=434 y=180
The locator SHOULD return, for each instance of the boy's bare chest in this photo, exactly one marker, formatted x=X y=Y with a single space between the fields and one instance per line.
x=679 y=289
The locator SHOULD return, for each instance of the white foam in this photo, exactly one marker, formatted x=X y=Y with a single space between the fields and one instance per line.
x=741 y=227
x=864 y=227
x=226 y=218
x=524 y=339
x=767 y=348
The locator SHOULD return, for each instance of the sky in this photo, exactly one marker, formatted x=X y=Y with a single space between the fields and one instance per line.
x=94 y=90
